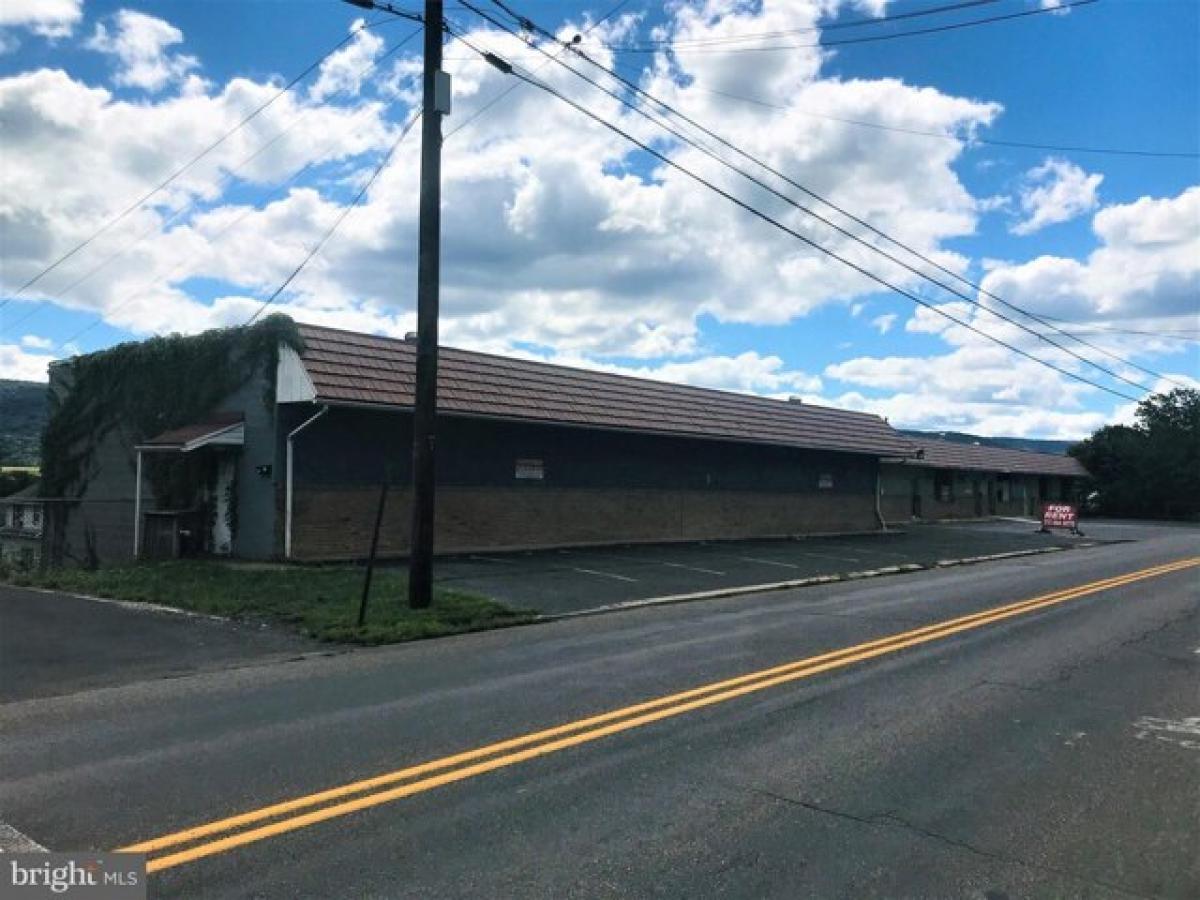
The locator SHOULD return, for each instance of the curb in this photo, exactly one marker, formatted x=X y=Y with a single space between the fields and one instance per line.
x=140 y=605
x=13 y=841
x=835 y=578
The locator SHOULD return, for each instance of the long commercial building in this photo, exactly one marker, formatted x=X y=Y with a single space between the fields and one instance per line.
x=291 y=462
x=528 y=455
x=949 y=480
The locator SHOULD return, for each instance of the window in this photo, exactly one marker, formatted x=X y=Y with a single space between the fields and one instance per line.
x=1003 y=489
x=530 y=470
x=825 y=481
x=943 y=486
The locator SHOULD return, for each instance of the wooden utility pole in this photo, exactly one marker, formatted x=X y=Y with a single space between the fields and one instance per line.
x=435 y=103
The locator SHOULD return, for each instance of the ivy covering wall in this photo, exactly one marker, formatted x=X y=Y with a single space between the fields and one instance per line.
x=144 y=388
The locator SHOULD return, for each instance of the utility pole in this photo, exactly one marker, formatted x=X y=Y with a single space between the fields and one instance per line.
x=435 y=103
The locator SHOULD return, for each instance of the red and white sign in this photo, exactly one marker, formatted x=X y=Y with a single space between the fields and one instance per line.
x=1060 y=515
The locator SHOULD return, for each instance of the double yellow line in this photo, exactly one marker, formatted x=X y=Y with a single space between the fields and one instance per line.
x=235 y=831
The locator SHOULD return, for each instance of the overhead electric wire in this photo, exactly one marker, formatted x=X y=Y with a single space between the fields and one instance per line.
x=865 y=39
x=225 y=177
x=138 y=203
x=671 y=110
x=830 y=26
x=758 y=182
x=1184 y=333
x=508 y=68
x=942 y=135
x=339 y=220
x=616 y=8
x=170 y=275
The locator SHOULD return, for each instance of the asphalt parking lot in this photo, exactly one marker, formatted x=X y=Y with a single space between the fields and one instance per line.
x=575 y=580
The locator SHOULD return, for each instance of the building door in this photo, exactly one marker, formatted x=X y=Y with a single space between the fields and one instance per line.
x=978 y=487
x=991 y=497
x=916 y=498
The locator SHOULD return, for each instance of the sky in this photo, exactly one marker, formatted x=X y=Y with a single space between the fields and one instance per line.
x=563 y=241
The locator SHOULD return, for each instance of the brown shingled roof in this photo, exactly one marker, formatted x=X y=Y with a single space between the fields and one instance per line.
x=976 y=457
x=350 y=368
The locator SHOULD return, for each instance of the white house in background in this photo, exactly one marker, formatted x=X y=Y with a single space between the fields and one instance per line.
x=21 y=523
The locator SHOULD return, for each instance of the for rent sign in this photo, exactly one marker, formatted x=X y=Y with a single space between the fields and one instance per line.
x=1060 y=515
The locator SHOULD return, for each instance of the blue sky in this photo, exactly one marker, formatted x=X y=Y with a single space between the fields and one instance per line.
x=563 y=244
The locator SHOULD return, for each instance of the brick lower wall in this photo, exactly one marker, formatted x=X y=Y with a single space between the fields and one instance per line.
x=335 y=523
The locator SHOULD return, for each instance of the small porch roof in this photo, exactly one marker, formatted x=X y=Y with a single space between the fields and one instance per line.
x=226 y=429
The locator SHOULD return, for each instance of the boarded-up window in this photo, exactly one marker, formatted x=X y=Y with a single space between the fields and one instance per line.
x=943 y=486
x=1004 y=491
x=530 y=470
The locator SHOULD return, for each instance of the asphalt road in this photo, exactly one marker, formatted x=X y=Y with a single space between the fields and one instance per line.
x=1047 y=751
x=52 y=644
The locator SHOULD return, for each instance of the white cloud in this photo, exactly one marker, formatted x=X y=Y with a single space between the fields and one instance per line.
x=748 y=373
x=47 y=18
x=556 y=236
x=139 y=42
x=343 y=72
x=977 y=387
x=1147 y=266
x=885 y=322
x=1057 y=6
x=22 y=365
x=55 y=124
x=1056 y=191
x=34 y=342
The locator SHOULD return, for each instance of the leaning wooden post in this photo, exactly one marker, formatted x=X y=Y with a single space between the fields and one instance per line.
x=366 y=591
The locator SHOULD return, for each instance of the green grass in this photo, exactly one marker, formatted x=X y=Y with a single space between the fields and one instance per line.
x=321 y=602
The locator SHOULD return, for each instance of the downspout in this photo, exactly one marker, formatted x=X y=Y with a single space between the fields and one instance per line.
x=137 y=509
x=879 y=495
x=287 y=515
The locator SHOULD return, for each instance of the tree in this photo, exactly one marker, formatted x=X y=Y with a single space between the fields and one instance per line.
x=1151 y=468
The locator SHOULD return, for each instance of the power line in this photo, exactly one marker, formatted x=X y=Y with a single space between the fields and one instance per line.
x=169 y=276
x=866 y=39
x=508 y=68
x=972 y=139
x=500 y=96
x=829 y=26
x=1184 y=333
x=1041 y=320
x=716 y=157
x=195 y=159
x=225 y=178
x=340 y=219
x=1165 y=336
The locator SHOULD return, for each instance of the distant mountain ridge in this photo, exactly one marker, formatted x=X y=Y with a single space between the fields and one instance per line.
x=1033 y=445
x=23 y=411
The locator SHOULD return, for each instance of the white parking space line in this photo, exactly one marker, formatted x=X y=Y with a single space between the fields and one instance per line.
x=689 y=568
x=492 y=559
x=647 y=561
x=605 y=574
x=841 y=548
x=768 y=562
x=852 y=559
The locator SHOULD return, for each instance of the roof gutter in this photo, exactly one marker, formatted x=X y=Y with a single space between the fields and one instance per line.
x=289 y=491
